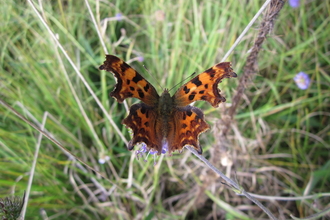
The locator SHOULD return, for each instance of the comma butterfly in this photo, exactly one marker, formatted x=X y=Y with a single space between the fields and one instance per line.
x=166 y=121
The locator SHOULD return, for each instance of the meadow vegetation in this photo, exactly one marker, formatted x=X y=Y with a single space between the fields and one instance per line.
x=277 y=146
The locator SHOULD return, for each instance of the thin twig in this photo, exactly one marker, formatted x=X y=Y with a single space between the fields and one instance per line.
x=232 y=184
x=33 y=167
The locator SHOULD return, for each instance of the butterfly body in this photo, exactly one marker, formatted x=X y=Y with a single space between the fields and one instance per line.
x=166 y=122
x=165 y=113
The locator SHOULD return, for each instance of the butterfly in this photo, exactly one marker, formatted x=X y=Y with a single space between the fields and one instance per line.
x=165 y=121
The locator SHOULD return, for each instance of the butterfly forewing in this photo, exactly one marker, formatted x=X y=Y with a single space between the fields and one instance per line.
x=205 y=86
x=129 y=82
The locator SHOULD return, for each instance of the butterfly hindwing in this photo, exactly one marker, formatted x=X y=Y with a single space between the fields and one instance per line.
x=205 y=86
x=142 y=119
x=129 y=82
x=188 y=123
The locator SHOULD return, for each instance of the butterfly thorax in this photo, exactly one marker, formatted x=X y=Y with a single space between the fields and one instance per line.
x=165 y=104
x=165 y=111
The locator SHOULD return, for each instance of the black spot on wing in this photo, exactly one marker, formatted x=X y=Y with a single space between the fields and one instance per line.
x=124 y=66
x=137 y=78
x=186 y=90
x=129 y=94
x=141 y=94
x=196 y=81
x=146 y=88
x=189 y=112
x=211 y=72
x=191 y=97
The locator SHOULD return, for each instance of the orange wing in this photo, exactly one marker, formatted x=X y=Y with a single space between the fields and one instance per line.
x=188 y=123
x=205 y=86
x=129 y=82
x=142 y=119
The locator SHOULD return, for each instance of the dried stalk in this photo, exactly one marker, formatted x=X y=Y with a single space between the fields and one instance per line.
x=250 y=69
x=251 y=66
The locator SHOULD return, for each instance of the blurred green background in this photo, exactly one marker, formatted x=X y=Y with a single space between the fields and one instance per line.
x=278 y=144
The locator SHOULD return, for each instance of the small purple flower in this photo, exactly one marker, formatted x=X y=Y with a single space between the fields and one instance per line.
x=294 y=3
x=164 y=148
x=144 y=150
x=152 y=152
x=119 y=16
x=140 y=59
x=302 y=80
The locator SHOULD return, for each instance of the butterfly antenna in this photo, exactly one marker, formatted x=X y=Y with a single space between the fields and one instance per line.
x=153 y=77
x=189 y=77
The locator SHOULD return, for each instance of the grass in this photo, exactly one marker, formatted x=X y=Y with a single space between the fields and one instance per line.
x=279 y=140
